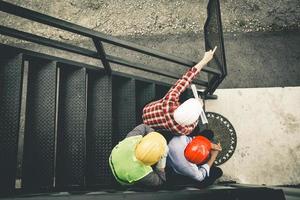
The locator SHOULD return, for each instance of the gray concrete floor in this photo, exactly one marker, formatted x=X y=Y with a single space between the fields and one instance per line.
x=262 y=59
x=267 y=125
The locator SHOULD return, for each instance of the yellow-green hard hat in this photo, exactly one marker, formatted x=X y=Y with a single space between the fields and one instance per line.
x=151 y=148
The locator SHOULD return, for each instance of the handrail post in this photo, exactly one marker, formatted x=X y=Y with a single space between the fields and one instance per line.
x=102 y=55
x=214 y=37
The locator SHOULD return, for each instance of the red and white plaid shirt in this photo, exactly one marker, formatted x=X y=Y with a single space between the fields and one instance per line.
x=159 y=114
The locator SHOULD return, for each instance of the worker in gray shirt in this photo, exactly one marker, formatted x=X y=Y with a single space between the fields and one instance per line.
x=140 y=158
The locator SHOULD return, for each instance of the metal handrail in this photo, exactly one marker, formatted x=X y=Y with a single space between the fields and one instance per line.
x=74 y=28
x=220 y=60
x=85 y=52
x=216 y=75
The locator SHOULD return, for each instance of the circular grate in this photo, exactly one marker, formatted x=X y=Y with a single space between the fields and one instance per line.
x=223 y=133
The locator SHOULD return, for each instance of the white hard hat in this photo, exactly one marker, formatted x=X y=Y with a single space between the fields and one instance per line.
x=188 y=112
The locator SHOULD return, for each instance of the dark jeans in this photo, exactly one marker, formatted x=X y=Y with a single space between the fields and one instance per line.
x=174 y=179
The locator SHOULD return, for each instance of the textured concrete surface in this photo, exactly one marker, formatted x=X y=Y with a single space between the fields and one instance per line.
x=142 y=17
x=262 y=59
x=253 y=59
x=267 y=123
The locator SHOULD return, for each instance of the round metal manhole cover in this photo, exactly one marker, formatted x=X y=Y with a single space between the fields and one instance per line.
x=223 y=133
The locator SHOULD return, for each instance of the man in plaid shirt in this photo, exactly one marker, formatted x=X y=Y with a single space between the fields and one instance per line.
x=159 y=114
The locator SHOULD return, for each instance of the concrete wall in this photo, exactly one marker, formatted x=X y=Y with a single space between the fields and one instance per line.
x=267 y=123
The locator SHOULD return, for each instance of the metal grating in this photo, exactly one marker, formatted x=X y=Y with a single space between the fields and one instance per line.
x=124 y=107
x=39 y=141
x=223 y=133
x=71 y=143
x=10 y=93
x=145 y=93
x=99 y=128
x=161 y=91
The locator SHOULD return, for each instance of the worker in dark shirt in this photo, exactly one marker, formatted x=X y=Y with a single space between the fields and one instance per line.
x=140 y=158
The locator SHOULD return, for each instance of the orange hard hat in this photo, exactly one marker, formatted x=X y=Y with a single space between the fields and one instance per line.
x=197 y=151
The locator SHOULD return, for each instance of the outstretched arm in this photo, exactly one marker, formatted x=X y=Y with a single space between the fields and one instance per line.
x=206 y=58
x=180 y=86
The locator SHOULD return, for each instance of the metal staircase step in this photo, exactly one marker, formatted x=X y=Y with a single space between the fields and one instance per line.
x=71 y=136
x=161 y=90
x=145 y=93
x=99 y=128
x=124 y=107
x=39 y=140
x=10 y=93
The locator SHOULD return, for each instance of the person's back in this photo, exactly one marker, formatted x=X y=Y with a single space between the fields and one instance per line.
x=132 y=160
x=180 y=170
x=124 y=163
x=179 y=163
